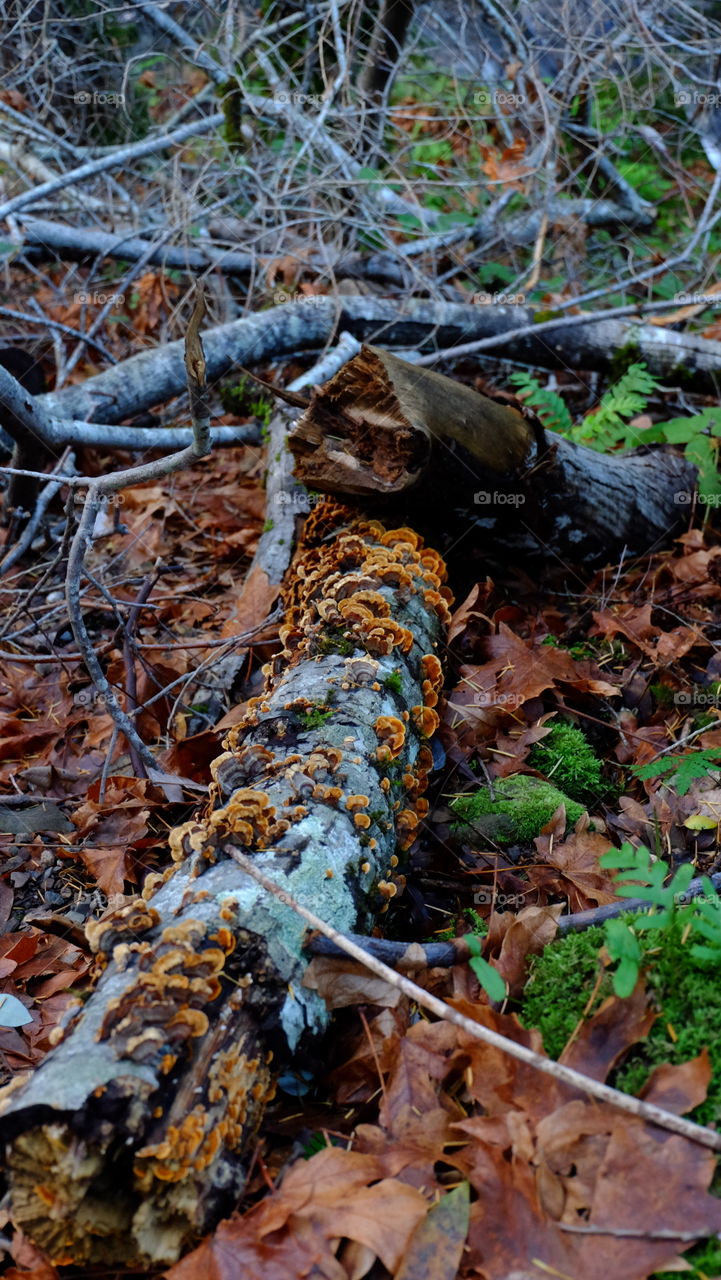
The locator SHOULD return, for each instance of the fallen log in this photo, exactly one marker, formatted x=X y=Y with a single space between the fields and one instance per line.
x=382 y=428
x=156 y=375
x=132 y=1136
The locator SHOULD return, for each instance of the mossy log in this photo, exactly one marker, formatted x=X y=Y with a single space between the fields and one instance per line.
x=383 y=428
x=132 y=1137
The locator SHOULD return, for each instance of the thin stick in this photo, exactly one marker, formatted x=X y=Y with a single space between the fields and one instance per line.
x=97 y=490
x=562 y=322
x=624 y=1102
x=113 y=161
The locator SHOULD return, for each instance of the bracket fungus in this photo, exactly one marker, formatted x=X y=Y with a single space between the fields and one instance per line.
x=143 y=1115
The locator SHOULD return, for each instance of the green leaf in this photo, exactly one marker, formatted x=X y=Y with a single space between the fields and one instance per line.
x=623 y=946
x=549 y=406
x=489 y=978
x=624 y=400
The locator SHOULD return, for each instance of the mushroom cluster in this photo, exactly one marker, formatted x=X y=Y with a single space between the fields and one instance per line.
x=349 y=586
x=351 y=591
x=177 y=976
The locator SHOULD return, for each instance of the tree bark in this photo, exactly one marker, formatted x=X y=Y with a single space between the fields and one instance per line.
x=155 y=376
x=132 y=1136
x=382 y=427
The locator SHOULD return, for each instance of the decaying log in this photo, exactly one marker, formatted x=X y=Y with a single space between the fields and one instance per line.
x=131 y=1137
x=383 y=427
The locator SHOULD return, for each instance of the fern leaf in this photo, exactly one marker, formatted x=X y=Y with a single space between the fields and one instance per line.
x=549 y=406
x=623 y=401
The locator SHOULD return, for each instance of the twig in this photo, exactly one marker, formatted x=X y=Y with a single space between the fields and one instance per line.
x=97 y=490
x=41 y=505
x=531 y=330
x=77 y=241
x=57 y=327
x=397 y=955
x=623 y=1233
x=131 y=684
x=581 y=920
x=575 y=1079
x=195 y=372
x=119 y=157
x=310 y=130
x=108 y=762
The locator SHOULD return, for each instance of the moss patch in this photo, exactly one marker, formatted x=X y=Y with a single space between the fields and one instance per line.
x=559 y=984
x=685 y=991
x=522 y=805
x=566 y=758
x=316 y=715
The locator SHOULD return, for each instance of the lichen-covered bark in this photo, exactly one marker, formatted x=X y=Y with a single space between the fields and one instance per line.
x=132 y=1136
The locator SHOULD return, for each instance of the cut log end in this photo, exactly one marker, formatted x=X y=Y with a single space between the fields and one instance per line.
x=355 y=437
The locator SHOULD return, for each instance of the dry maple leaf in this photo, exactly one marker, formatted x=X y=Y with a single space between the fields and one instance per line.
x=336 y=1194
x=570 y=867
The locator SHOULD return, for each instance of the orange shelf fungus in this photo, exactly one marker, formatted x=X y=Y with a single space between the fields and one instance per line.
x=357 y=802
x=392 y=733
x=425 y=719
x=192 y=988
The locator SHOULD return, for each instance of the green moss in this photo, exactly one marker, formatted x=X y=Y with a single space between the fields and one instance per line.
x=686 y=993
x=688 y=996
x=394 y=682
x=316 y=715
x=479 y=926
x=334 y=641
x=663 y=694
x=231 y=96
x=704 y=1258
x=522 y=805
x=559 y=984
x=566 y=759
x=682 y=375
x=243 y=399
x=622 y=360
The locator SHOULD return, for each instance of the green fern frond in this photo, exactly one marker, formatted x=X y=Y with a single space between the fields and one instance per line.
x=623 y=401
x=549 y=406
